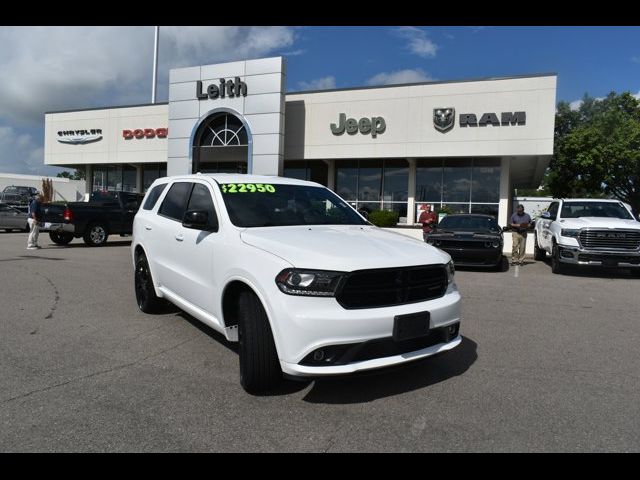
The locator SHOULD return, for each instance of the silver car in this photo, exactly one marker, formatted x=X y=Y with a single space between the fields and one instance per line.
x=12 y=219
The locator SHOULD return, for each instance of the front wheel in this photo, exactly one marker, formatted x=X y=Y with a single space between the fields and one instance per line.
x=635 y=272
x=503 y=264
x=538 y=253
x=96 y=235
x=146 y=297
x=556 y=265
x=61 y=238
x=259 y=365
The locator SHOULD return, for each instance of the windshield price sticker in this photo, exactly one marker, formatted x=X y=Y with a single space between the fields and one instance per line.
x=247 y=188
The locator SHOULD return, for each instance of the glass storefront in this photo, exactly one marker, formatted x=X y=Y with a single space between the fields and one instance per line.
x=313 y=171
x=151 y=172
x=459 y=185
x=109 y=178
x=374 y=184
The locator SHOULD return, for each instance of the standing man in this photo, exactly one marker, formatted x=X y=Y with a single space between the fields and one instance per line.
x=520 y=222
x=35 y=216
x=428 y=219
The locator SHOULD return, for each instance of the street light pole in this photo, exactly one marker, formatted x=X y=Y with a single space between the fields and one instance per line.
x=155 y=64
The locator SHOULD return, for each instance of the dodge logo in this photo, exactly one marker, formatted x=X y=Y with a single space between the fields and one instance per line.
x=443 y=119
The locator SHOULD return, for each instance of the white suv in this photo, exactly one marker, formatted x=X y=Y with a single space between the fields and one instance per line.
x=292 y=272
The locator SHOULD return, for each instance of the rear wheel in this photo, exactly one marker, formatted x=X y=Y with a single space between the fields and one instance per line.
x=61 y=238
x=538 y=253
x=96 y=235
x=259 y=366
x=146 y=297
x=556 y=265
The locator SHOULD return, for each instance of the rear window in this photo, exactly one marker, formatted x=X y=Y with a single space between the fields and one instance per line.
x=175 y=203
x=153 y=196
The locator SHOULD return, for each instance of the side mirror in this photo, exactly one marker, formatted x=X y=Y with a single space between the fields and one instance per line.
x=546 y=216
x=199 y=220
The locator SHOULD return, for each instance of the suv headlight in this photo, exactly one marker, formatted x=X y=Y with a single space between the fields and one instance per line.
x=569 y=232
x=313 y=283
x=451 y=271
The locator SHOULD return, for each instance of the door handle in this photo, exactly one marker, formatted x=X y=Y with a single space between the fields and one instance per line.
x=147 y=227
x=179 y=237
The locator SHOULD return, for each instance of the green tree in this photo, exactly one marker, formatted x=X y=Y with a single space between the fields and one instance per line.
x=597 y=149
x=77 y=174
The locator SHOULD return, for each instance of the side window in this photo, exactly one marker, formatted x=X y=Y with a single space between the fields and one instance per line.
x=154 y=195
x=201 y=200
x=553 y=209
x=175 y=203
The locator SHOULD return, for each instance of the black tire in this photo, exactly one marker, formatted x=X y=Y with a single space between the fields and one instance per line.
x=635 y=272
x=259 y=366
x=538 y=253
x=96 y=235
x=61 y=238
x=27 y=228
x=503 y=264
x=556 y=265
x=146 y=298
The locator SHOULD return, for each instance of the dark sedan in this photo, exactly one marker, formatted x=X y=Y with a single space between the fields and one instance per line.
x=472 y=240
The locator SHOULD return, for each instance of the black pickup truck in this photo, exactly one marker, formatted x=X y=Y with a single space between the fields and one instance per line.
x=104 y=214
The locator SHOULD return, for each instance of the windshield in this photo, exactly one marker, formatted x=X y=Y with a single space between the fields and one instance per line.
x=472 y=224
x=274 y=205
x=595 y=209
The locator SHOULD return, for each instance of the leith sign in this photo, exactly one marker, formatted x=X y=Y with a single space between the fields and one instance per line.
x=228 y=88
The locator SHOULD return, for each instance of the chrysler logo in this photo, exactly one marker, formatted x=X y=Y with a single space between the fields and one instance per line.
x=444 y=118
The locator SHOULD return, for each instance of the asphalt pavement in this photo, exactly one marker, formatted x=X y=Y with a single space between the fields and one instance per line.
x=548 y=363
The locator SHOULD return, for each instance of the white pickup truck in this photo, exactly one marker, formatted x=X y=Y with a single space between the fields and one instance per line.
x=588 y=232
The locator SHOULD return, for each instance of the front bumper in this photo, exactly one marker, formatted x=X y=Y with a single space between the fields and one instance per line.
x=474 y=257
x=301 y=329
x=601 y=258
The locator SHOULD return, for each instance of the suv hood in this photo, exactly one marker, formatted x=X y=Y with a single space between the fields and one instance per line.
x=343 y=247
x=598 y=222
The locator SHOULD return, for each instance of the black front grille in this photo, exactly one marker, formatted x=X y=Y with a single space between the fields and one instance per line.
x=463 y=244
x=610 y=239
x=392 y=286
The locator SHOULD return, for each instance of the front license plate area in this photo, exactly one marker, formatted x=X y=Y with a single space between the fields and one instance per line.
x=412 y=325
x=610 y=262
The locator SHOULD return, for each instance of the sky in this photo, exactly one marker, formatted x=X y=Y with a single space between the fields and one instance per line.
x=62 y=68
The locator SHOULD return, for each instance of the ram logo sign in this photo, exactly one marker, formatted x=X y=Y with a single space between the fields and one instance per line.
x=444 y=119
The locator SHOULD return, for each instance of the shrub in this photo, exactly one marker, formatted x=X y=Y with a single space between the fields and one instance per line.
x=383 y=218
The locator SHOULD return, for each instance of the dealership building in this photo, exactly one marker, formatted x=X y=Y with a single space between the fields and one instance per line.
x=462 y=144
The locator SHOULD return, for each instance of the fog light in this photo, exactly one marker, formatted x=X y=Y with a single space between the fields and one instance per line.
x=452 y=329
x=318 y=355
x=566 y=253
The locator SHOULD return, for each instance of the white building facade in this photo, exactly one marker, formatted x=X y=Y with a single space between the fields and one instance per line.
x=461 y=146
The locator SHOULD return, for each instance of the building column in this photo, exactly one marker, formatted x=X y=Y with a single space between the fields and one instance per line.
x=331 y=173
x=411 y=192
x=88 y=182
x=139 y=185
x=504 y=208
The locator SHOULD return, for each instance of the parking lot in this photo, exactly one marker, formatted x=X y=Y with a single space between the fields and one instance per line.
x=548 y=363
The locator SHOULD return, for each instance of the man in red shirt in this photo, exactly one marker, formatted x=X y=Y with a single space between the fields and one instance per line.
x=428 y=219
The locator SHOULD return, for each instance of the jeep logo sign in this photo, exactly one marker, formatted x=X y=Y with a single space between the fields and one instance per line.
x=366 y=126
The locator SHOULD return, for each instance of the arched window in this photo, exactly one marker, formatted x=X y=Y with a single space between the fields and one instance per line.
x=221 y=144
x=223 y=130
